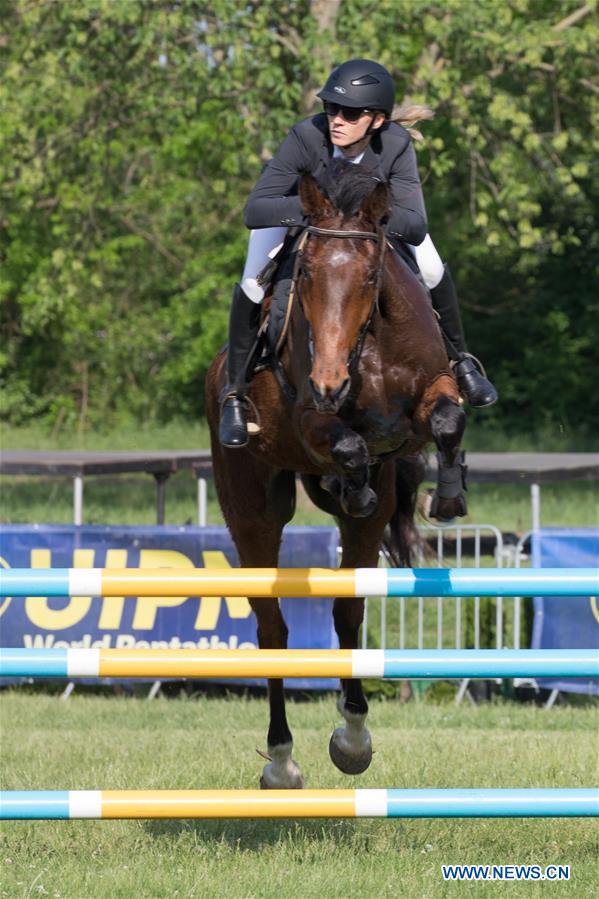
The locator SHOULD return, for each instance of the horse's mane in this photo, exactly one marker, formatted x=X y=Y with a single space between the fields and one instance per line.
x=347 y=185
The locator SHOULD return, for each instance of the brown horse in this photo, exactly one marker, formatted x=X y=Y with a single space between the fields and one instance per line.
x=372 y=386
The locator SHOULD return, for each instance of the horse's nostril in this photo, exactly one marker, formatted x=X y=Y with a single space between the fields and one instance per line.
x=319 y=390
x=329 y=399
x=343 y=390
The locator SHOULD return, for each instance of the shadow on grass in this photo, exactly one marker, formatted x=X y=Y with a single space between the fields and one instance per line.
x=255 y=833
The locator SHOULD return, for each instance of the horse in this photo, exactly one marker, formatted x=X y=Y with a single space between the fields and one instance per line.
x=371 y=386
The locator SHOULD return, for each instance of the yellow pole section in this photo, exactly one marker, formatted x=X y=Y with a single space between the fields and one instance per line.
x=228 y=804
x=159 y=663
x=228 y=582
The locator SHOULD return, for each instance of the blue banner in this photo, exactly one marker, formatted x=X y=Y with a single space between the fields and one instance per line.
x=566 y=622
x=156 y=622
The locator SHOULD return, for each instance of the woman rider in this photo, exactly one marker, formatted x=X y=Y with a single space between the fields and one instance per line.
x=358 y=100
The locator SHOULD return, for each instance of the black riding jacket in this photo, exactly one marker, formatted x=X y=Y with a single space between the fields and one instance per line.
x=390 y=156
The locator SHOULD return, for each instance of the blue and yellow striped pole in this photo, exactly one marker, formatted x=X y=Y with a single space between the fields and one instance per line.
x=68 y=804
x=313 y=582
x=278 y=663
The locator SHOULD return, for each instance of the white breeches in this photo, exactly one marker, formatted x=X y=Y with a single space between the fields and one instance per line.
x=429 y=262
x=264 y=243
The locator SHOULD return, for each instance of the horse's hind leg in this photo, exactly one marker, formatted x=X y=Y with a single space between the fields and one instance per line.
x=267 y=498
x=282 y=772
x=258 y=546
x=350 y=747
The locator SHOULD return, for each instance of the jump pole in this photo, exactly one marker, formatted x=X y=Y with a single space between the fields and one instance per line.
x=526 y=803
x=315 y=582
x=279 y=663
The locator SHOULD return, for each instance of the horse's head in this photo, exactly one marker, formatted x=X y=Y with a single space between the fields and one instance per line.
x=340 y=273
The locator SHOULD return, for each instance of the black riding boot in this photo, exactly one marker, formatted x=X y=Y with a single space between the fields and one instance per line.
x=244 y=322
x=473 y=383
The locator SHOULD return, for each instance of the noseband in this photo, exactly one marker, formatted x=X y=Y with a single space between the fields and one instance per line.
x=378 y=237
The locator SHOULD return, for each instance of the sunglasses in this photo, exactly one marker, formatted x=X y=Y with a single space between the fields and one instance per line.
x=347 y=112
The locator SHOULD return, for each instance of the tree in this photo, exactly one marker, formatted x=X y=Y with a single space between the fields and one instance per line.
x=131 y=133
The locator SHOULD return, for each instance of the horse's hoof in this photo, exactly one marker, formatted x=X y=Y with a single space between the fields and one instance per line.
x=288 y=779
x=446 y=510
x=359 y=505
x=297 y=784
x=349 y=762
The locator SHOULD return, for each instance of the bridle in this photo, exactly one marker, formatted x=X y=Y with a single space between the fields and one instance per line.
x=378 y=237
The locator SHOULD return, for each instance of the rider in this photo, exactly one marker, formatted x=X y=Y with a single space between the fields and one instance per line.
x=358 y=100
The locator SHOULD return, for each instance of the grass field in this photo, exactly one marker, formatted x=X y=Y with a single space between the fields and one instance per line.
x=131 y=499
x=102 y=741
x=98 y=740
x=185 y=435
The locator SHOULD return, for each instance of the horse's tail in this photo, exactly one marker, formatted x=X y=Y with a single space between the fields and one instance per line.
x=401 y=540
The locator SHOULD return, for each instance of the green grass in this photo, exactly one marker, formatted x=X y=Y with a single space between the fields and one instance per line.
x=152 y=437
x=102 y=742
x=480 y=436
x=131 y=499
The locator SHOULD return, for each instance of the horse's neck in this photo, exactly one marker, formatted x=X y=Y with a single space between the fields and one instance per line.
x=403 y=298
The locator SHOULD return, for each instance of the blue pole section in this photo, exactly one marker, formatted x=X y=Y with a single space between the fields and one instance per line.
x=34 y=582
x=472 y=663
x=492 y=803
x=33 y=663
x=492 y=581
x=34 y=804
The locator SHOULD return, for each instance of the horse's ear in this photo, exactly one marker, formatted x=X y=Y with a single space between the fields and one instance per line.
x=314 y=203
x=376 y=205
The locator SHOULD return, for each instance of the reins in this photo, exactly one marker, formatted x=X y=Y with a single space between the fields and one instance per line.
x=334 y=232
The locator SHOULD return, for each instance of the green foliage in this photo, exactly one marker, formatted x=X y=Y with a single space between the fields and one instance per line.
x=131 y=133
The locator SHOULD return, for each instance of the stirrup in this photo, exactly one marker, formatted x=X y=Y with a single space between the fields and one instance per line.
x=253 y=427
x=466 y=355
x=473 y=383
x=232 y=428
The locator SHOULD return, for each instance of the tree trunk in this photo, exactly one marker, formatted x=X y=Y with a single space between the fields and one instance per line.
x=324 y=13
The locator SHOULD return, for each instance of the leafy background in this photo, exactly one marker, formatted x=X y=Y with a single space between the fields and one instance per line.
x=131 y=132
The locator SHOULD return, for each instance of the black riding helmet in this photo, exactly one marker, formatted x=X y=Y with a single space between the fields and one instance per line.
x=360 y=83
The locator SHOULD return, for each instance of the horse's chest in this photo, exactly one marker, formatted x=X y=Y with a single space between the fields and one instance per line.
x=383 y=402
x=384 y=427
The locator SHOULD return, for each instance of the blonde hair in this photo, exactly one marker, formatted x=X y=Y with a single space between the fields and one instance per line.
x=410 y=115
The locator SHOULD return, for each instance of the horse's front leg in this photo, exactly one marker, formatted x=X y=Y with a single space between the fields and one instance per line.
x=447 y=425
x=335 y=445
x=350 y=747
x=446 y=419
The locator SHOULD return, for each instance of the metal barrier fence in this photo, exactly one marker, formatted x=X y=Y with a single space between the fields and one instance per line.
x=426 y=627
